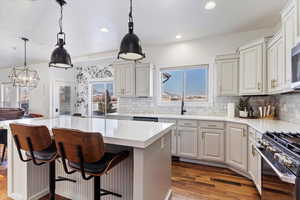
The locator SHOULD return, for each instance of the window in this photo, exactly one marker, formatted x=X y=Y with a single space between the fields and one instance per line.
x=188 y=82
x=102 y=98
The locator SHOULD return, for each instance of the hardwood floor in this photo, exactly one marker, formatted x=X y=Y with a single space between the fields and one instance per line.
x=193 y=182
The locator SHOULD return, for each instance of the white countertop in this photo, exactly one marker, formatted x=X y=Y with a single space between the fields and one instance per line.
x=261 y=125
x=119 y=132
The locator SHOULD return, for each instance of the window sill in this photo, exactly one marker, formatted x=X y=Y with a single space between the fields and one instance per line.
x=186 y=104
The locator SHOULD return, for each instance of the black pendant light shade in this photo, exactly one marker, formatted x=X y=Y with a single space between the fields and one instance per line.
x=131 y=48
x=60 y=58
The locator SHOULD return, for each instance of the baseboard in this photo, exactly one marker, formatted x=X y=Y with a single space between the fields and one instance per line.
x=16 y=196
x=39 y=195
x=169 y=195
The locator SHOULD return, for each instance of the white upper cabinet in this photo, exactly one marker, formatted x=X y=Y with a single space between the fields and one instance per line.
x=124 y=79
x=276 y=64
x=227 y=74
x=144 y=80
x=289 y=37
x=253 y=68
x=132 y=80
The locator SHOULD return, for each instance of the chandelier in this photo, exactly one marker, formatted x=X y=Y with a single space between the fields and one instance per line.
x=24 y=76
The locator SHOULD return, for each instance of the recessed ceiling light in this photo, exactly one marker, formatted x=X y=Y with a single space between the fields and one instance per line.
x=104 y=30
x=210 y=5
x=178 y=36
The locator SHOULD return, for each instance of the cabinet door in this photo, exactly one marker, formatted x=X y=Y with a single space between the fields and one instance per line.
x=252 y=161
x=289 y=41
x=187 y=142
x=129 y=81
x=236 y=146
x=251 y=70
x=142 y=81
x=174 y=135
x=211 y=145
x=272 y=67
x=279 y=79
x=228 y=77
x=118 y=81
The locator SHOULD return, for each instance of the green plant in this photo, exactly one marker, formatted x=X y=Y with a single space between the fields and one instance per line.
x=243 y=104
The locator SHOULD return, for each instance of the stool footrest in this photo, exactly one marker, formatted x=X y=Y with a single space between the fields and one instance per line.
x=106 y=192
x=60 y=178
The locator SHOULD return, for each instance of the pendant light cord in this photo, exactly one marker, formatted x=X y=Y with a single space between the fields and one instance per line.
x=130 y=24
x=61 y=19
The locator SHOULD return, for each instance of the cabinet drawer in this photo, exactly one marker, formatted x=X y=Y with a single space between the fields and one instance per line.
x=212 y=124
x=188 y=123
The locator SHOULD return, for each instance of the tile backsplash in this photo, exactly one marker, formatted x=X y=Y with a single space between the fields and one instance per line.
x=217 y=108
x=289 y=105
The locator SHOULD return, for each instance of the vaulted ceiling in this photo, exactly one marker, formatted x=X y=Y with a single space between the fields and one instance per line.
x=156 y=22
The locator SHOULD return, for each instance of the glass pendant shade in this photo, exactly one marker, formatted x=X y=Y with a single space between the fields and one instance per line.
x=24 y=76
x=130 y=48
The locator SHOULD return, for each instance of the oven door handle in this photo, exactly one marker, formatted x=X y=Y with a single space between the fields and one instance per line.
x=284 y=177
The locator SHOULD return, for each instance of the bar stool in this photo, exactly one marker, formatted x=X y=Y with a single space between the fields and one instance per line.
x=39 y=147
x=3 y=140
x=85 y=153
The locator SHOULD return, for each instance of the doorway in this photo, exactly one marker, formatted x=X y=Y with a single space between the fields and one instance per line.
x=63 y=98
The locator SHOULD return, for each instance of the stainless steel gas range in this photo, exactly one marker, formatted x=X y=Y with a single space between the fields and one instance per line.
x=280 y=166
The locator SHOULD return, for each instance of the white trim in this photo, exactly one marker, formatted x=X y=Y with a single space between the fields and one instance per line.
x=39 y=195
x=169 y=195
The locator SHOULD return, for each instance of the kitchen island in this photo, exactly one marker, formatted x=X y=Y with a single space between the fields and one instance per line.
x=145 y=175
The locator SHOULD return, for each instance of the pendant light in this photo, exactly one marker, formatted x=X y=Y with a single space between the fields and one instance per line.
x=60 y=58
x=24 y=76
x=130 y=48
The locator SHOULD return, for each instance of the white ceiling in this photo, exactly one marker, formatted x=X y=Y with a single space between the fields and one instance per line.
x=156 y=22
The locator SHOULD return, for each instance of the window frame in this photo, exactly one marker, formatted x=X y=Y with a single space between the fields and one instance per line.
x=91 y=83
x=207 y=102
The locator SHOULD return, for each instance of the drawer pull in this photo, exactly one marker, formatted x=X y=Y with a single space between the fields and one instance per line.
x=212 y=125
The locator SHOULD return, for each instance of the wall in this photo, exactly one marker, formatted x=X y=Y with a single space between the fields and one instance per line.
x=41 y=98
x=85 y=72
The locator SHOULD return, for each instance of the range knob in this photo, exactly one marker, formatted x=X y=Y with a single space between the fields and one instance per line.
x=272 y=149
x=287 y=162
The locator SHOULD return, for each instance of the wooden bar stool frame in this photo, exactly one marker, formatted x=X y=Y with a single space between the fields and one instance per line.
x=98 y=191
x=52 y=173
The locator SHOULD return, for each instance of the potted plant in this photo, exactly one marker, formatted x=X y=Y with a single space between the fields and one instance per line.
x=243 y=107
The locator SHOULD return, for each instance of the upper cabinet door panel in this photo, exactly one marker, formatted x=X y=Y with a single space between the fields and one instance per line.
x=289 y=36
x=228 y=77
x=251 y=70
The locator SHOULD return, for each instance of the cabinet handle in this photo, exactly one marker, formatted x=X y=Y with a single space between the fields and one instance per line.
x=212 y=125
x=244 y=133
x=258 y=86
x=203 y=136
x=253 y=150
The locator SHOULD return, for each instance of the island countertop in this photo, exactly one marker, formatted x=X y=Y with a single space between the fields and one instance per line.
x=135 y=134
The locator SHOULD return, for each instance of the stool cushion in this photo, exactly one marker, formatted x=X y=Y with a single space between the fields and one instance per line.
x=96 y=167
x=45 y=155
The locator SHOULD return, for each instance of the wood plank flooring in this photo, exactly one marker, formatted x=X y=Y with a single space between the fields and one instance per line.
x=193 y=182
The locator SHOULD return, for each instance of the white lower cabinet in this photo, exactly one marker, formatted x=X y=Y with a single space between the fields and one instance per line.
x=236 y=146
x=174 y=135
x=254 y=160
x=187 y=143
x=211 y=145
